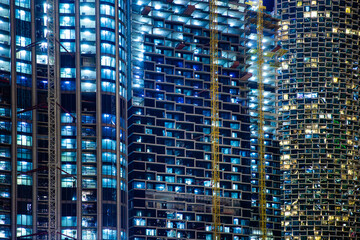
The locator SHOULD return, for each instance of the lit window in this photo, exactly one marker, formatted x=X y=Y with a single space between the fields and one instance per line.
x=314 y=14
x=150 y=232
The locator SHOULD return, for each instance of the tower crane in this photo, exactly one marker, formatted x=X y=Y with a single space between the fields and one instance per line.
x=260 y=62
x=52 y=121
x=214 y=95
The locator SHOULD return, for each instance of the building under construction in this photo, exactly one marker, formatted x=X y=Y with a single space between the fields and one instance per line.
x=170 y=114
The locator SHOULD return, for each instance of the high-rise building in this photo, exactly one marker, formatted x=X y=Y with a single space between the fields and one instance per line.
x=272 y=154
x=91 y=79
x=170 y=124
x=319 y=119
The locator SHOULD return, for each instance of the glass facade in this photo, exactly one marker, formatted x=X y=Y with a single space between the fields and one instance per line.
x=170 y=124
x=6 y=125
x=91 y=55
x=272 y=154
x=319 y=119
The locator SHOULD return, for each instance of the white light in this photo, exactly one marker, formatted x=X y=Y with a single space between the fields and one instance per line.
x=249 y=44
x=87 y=8
x=157 y=6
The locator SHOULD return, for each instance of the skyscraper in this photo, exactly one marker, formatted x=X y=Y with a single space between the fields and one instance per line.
x=170 y=124
x=91 y=61
x=319 y=119
x=272 y=154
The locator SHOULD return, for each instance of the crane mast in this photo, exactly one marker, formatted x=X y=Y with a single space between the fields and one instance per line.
x=260 y=63
x=261 y=147
x=52 y=121
x=214 y=95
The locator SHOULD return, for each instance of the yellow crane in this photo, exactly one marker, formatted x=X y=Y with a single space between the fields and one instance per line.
x=260 y=62
x=214 y=95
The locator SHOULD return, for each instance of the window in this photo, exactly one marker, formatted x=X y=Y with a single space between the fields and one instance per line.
x=88 y=9
x=109 y=234
x=107 y=10
x=4 y=219
x=139 y=222
x=89 y=183
x=68 y=131
x=68 y=168
x=140 y=185
x=23 y=55
x=23 y=180
x=109 y=170
x=68 y=182
x=20 y=231
x=107 y=61
x=68 y=143
x=68 y=221
x=87 y=35
x=23 y=3
x=107 y=22
x=23 y=67
x=109 y=157
x=23 y=166
x=23 y=15
x=151 y=232
x=24 y=140
x=88 y=170
x=108 y=144
x=67 y=33
x=67 y=21
x=89 y=234
x=109 y=182
x=107 y=35
x=65 y=7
